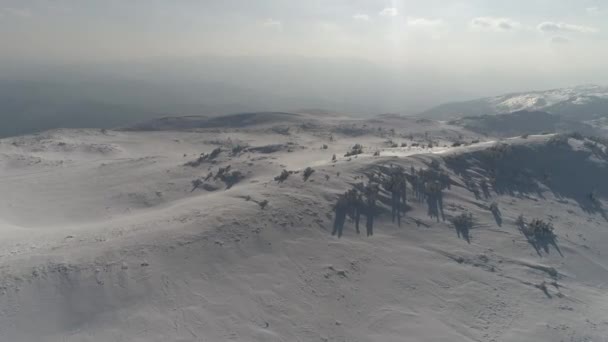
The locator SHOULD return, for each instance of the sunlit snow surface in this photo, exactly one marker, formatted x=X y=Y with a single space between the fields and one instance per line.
x=543 y=99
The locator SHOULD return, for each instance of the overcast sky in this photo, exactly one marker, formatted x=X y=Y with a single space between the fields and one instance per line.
x=567 y=39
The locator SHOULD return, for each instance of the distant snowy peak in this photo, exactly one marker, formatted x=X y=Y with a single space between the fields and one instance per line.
x=540 y=100
x=582 y=101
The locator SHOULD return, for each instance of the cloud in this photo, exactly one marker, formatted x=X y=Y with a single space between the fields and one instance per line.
x=425 y=23
x=433 y=27
x=361 y=17
x=495 y=24
x=551 y=27
x=389 y=12
x=560 y=40
x=593 y=10
x=273 y=24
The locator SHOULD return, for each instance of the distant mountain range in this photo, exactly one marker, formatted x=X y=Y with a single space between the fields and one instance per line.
x=118 y=94
x=528 y=122
x=580 y=103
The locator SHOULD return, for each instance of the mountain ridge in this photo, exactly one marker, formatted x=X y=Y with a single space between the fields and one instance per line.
x=583 y=102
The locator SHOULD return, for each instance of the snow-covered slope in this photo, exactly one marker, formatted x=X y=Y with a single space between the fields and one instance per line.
x=104 y=237
x=581 y=102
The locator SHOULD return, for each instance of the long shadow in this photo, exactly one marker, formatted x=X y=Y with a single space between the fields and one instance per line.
x=545 y=241
x=463 y=224
x=473 y=188
x=543 y=287
x=393 y=194
x=463 y=233
x=542 y=242
x=592 y=205
x=440 y=203
x=435 y=206
x=485 y=189
x=340 y=210
x=428 y=185
x=521 y=225
x=354 y=204
x=519 y=170
x=497 y=217
x=386 y=204
x=553 y=242
x=534 y=245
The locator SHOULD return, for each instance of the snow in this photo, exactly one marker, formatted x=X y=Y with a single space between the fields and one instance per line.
x=540 y=100
x=103 y=240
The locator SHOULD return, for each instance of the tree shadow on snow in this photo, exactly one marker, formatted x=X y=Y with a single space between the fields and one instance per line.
x=524 y=170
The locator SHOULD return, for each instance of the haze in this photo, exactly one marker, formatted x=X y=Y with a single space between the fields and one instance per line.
x=303 y=170
x=363 y=57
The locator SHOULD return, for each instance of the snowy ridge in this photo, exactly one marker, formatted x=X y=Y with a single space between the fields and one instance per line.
x=540 y=100
x=150 y=241
x=583 y=102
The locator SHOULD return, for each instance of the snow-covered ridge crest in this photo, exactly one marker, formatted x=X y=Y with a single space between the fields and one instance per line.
x=585 y=102
x=539 y=100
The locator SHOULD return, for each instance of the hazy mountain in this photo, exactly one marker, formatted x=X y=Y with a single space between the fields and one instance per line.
x=30 y=106
x=34 y=98
x=524 y=122
x=580 y=103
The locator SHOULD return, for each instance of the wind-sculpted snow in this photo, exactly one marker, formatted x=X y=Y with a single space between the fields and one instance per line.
x=225 y=233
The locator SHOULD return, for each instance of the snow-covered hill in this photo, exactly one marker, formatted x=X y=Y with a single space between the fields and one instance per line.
x=582 y=102
x=108 y=235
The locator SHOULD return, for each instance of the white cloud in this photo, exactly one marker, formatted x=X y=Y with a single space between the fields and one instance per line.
x=425 y=23
x=495 y=24
x=273 y=24
x=361 y=17
x=434 y=28
x=551 y=27
x=593 y=10
x=389 y=12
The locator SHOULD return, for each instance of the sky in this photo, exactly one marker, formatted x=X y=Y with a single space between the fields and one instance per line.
x=564 y=41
